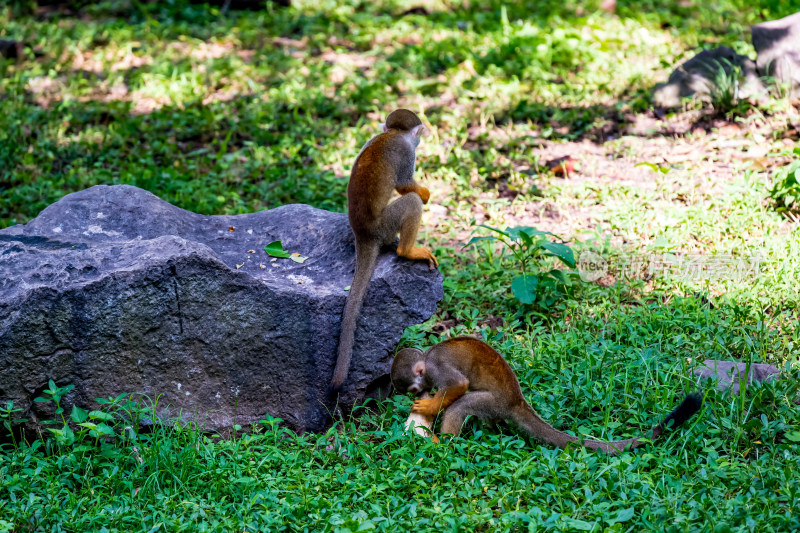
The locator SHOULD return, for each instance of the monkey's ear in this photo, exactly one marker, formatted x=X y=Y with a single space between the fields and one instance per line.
x=418 y=130
x=419 y=368
x=384 y=128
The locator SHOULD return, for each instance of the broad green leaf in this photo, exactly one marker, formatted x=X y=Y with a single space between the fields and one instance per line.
x=581 y=525
x=275 y=249
x=101 y=415
x=69 y=436
x=526 y=239
x=623 y=516
x=78 y=415
x=524 y=288
x=478 y=239
x=653 y=167
x=501 y=232
x=662 y=242
x=560 y=276
x=562 y=251
x=517 y=232
x=104 y=429
x=793 y=436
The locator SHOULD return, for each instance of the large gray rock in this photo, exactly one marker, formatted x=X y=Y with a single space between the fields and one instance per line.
x=700 y=78
x=114 y=290
x=777 y=43
x=729 y=374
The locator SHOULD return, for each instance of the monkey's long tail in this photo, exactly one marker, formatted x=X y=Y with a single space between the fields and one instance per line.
x=529 y=420
x=366 y=257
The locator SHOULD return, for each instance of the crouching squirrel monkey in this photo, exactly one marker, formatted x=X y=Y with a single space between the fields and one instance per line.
x=464 y=363
x=385 y=165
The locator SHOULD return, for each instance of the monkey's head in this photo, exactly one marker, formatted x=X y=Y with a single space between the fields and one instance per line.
x=408 y=371
x=407 y=122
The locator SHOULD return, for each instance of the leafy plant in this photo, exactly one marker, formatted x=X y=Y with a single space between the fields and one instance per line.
x=529 y=247
x=724 y=88
x=785 y=190
x=7 y=416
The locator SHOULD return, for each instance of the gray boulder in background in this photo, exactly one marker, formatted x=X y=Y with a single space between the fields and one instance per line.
x=777 y=43
x=699 y=78
x=729 y=373
x=115 y=290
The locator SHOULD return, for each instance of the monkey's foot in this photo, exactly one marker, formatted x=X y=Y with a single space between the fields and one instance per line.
x=420 y=254
x=428 y=407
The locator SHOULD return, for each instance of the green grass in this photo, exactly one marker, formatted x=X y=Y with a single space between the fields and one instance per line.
x=239 y=111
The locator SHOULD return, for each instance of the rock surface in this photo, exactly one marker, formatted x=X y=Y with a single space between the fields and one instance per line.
x=698 y=77
x=11 y=49
x=777 y=43
x=115 y=290
x=728 y=373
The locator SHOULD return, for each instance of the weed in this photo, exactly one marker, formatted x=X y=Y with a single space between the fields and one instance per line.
x=785 y=190
x=529 y=247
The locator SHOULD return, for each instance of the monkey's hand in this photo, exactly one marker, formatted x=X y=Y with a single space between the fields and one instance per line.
x=424 y=194
x=418 y=253
x=443 y=399
x=427 y=407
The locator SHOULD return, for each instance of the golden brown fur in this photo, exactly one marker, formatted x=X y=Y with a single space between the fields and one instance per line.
x=385 y=165
x=464 y=364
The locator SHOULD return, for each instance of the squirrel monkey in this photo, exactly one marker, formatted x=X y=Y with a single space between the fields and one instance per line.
x=465 y=363
x=385 y=165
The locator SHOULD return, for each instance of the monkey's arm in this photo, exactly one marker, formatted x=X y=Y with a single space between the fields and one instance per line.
x=443 y=399
x=423 y=192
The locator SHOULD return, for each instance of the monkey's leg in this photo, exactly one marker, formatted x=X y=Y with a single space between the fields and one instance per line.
x=443 y=399
x=478 y=403
x=403 y=216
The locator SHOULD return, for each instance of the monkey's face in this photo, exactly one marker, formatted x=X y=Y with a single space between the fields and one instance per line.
x=408 y=371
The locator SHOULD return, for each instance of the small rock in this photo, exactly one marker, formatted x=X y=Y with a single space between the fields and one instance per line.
x=728 y=373
x=696 y=78
x=777 y=43
x=11 y=49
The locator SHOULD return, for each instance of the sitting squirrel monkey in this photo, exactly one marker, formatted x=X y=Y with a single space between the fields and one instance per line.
x=465 y=363
x=385 y=165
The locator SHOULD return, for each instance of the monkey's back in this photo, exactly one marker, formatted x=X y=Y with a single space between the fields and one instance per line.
x=373 y=180
x=483 y=366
